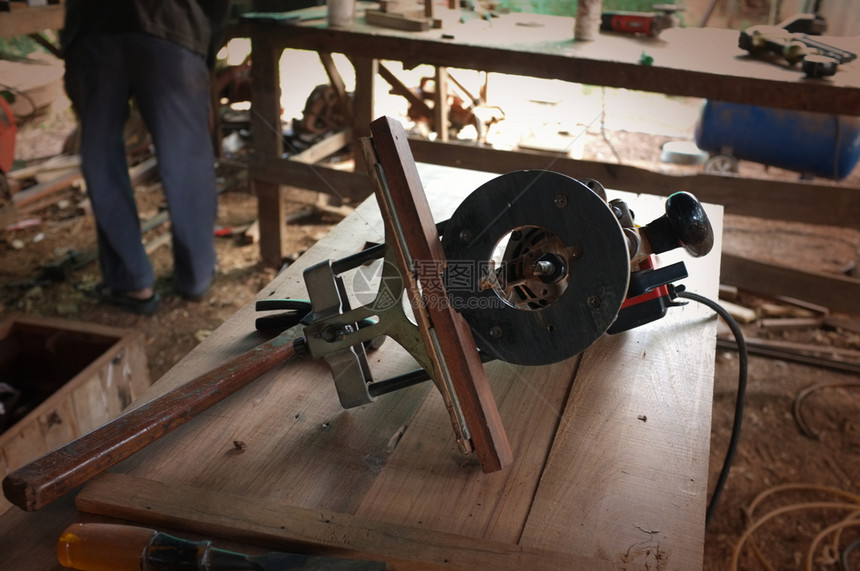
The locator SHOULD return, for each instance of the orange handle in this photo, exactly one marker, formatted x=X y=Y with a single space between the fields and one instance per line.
x=103 y=547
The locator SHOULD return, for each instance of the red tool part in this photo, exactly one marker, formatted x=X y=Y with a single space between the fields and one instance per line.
x=648 y=24
x=8 y=129
x=644 y=23
x=652 y=304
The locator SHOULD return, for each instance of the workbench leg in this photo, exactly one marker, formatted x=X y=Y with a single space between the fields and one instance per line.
x=440 y=104
x=267 y=143
x=215 y=114
x=362 y=103
x=336 y=81
x=271 y=215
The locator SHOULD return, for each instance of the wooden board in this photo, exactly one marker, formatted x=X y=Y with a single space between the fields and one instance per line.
x=448 y=342
x=398 y=21
x=339 y=534
x=836 y=292
x=590 y=481
x=798 y=201
x=23 y=20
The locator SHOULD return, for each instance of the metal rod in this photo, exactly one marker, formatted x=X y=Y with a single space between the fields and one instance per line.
x=406 y=380
x=369 y=254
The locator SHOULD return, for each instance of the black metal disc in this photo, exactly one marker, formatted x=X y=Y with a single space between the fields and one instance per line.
x=597 y=267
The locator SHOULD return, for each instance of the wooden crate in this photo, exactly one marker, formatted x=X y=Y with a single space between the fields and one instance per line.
x=80 y=374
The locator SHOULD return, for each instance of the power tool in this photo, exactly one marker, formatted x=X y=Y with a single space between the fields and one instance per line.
x=641 y=23
x=785 y=40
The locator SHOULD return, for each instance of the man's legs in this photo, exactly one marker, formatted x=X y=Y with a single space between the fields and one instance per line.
x=171 y=87
x=98 y=88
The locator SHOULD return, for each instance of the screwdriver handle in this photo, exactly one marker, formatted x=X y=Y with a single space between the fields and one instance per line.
x=114 y=547
x=103 y=547
x=46 y=479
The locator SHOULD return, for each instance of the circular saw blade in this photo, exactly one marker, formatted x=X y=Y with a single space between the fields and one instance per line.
x=537 y=264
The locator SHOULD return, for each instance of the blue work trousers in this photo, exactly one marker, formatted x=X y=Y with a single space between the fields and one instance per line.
x=170 y=86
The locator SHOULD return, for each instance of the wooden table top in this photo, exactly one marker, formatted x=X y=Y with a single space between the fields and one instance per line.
x=611 y=446
x=21 y=20
x=697 y=62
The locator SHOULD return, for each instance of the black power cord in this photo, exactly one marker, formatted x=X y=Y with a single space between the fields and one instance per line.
x=739 y=403
x=846 y=554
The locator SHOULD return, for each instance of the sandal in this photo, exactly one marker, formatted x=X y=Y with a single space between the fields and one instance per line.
x=104 y=294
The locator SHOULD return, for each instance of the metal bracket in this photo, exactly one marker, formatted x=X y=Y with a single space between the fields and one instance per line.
x=349 y=364
x=335 y=333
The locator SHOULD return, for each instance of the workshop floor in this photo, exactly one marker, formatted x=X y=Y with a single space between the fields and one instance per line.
x=772 y=449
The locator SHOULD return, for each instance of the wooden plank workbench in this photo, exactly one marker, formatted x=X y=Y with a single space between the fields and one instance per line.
x=611 y=447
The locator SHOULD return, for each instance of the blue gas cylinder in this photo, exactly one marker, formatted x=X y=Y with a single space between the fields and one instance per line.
x=802 y=141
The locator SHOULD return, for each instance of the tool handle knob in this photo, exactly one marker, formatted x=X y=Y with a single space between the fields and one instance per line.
x=685 y=225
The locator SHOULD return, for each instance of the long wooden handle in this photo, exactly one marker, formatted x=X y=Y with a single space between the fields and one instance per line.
x=39 y=483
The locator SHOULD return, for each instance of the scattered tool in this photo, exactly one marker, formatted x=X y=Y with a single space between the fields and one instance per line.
x=8 y=130
x=818 y=58
x=811 y=23
x=114 y=547
x=641 y=23
x=532 y=268
x=411 y=15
